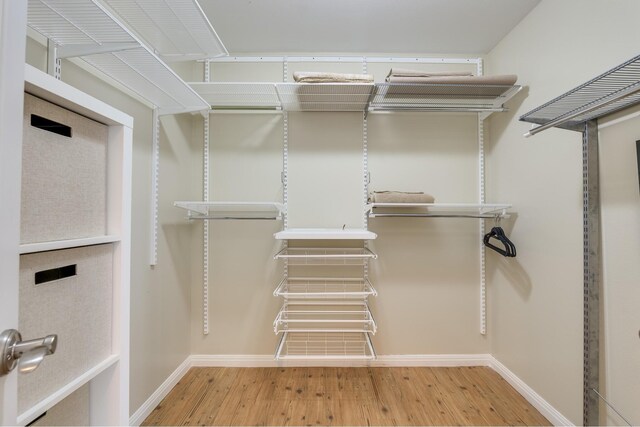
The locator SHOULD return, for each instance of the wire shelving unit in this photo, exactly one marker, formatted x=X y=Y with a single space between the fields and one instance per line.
x=580 y=110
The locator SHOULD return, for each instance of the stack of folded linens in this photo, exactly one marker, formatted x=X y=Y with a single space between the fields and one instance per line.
x=403 y=75
x=316 y=77
x=400 y=197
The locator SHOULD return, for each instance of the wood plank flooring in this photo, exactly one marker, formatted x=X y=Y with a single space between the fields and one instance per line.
x=344 y=396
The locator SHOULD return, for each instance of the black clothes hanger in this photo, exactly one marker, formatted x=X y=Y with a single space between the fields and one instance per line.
x=498 y=234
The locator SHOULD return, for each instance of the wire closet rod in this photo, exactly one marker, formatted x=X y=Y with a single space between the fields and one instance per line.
x=611 y=406
x=419 y=215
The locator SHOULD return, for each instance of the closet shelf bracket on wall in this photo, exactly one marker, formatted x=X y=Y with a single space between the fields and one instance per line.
x=233 y=210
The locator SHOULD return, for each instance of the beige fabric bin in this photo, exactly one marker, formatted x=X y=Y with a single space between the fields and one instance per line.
x=77 y=308
x=64 y=179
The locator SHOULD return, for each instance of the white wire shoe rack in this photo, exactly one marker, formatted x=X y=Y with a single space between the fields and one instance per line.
x=324 y=317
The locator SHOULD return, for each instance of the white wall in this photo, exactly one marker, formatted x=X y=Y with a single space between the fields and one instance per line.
x=160 y=296
x=536 y=298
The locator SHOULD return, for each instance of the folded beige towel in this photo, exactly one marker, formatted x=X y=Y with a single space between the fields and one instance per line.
x=404 y=72
x=400 y=197
x=313 y=77
x=508 y=79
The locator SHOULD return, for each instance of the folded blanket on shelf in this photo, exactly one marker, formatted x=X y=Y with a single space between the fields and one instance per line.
x=404 y=72
x=400 y=197
x=507 y=79
x=313 y=77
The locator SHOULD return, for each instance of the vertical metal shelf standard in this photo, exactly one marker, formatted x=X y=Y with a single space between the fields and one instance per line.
x=579 y=110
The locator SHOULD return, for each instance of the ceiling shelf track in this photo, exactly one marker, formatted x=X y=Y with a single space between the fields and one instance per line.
x=91 y=31
x=612 y=91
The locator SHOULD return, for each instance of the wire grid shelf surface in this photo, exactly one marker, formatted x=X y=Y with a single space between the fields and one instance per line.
x=86 y=24
x=318 y=345
x=398 y=96
x=329 y=316
x=232 y=210
x=324 y=96
x=326 y=256
x=239 y=96
x=483 y=210
x=614 y=90
x=177 y=29
x=324 y=288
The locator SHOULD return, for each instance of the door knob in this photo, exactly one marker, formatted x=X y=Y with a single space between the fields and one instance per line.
x=27 y=355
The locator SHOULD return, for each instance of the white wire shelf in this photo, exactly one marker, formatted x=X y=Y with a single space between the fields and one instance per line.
x=325 y=234
x=611 y=91
x=176 y=29
x=239 y=96
x=85 y=29
x=324 y=288
x=326 y=256
x=324 y=96
x=441 y=97
x=232 y=210
x=325 y=346
x=356 y=96
x=327 y=317
x=438 y=210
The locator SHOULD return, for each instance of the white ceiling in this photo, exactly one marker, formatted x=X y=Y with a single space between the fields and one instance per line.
x=364 y=26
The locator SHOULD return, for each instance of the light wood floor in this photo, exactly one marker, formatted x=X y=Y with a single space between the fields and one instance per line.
x=344 y=396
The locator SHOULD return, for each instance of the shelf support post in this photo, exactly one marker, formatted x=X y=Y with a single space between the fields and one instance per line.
x=592 y=261
x=54 y=64
x=155 y=171
x=205 y=198
x=481 y=200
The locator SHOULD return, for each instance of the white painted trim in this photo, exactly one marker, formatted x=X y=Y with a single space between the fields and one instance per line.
x=538 y=402
x=47 y=403
x=161 y=392
x=267 y=360
x=56 y=91
x=28 y=248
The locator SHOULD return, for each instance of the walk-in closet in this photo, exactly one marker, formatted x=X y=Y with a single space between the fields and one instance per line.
x=322 y=212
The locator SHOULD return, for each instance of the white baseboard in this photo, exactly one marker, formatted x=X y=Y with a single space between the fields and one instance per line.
x=161 y=392
x=426 y=360
x=544 y=407
x=267 y=360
